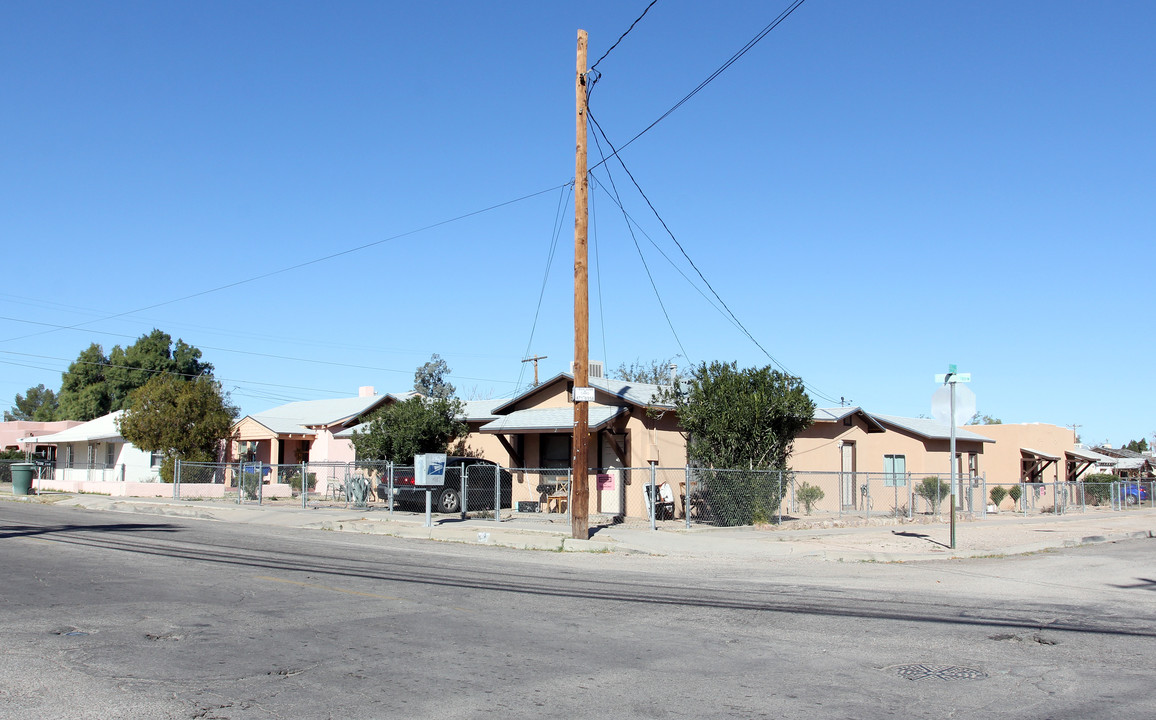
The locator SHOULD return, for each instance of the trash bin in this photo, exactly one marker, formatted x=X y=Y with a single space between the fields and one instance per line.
x=22 y=478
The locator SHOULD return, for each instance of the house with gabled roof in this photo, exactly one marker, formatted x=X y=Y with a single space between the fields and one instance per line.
x=305 y=431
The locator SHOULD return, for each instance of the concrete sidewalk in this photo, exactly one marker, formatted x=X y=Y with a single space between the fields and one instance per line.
x=880 y=541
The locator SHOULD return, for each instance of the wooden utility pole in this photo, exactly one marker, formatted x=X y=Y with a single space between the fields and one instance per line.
x=579 y=490
x=535 y=360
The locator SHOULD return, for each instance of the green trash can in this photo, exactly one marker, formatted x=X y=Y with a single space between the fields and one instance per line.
x=22 y=478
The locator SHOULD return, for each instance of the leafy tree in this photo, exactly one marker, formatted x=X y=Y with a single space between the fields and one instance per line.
x=997 y=494
x=741 y=419
x=415 y=426
x=981 y=419
x=430 y=379
x=96 y=385
x=39 y=405
x=84 y=391
x=179 y=418
x=655 y=372
x=1098 y=487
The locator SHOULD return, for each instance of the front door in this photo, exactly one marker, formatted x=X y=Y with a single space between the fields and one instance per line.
x=847 y=474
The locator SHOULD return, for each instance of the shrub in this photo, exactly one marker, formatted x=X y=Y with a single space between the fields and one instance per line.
x=997 y=494
x=809 y=495
x=293 y=479
x=933 y=490
x=250 y=482
x=1014 y=492
x=743 y=498
x=1098 y=488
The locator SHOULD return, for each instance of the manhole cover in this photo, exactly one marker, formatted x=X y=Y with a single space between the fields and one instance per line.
x=939 y=672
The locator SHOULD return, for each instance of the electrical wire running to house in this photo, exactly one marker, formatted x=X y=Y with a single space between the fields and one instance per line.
x=559 y=217
x=638 y=248
x=728 y=312
x=623 y=35
x=710 y=78
x=296 y=266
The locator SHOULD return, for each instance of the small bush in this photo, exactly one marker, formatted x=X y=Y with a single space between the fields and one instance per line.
x=1098 y=488
x=1014 y=492
x=934 y=491
x=250 y=482
x=809 y=495
x=293 y=479
x=997 y=495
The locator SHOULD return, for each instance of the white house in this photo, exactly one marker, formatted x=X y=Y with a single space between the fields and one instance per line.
x=94 y=453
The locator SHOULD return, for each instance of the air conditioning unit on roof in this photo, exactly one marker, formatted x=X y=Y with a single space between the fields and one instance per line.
x=593 y=369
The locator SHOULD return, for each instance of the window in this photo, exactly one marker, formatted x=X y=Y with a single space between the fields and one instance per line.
x=894 y=470
x=67 y=456
x=109 y=454
x=155 y=459
x=554 y=451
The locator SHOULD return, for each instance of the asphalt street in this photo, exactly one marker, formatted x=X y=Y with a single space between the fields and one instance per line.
x=115 y=616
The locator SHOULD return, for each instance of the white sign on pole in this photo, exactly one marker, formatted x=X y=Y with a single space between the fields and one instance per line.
x=583 y=394
x=964 y=404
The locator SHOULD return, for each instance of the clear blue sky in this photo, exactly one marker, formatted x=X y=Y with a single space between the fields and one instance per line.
x=876 y=190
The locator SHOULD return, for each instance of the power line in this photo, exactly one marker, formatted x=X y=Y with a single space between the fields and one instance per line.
x=623 y=35
x=665 y=227
x=720 y=70
x=297 y=266
x=254 y=353
x=641 y=257
x=557 y=232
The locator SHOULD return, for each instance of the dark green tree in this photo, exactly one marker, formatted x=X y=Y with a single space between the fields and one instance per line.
x=415 y=426
x=84 y=392
x=430 y=379
x=185 y=419
x=1140 y=446
x=96 y=385
x=39 y=404
x=741 y=420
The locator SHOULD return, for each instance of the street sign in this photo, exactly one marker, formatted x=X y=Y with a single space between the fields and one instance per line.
x=583 y=394
x=964 y=404
x=955 y=377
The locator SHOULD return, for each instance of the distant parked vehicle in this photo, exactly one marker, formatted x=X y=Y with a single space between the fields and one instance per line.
x=447 y=498
x=1134 y=492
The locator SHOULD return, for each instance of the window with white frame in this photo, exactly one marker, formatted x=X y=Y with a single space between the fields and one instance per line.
x=894 y=470
x=109 y=454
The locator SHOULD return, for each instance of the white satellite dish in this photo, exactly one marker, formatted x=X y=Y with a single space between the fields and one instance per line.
x=964 y=404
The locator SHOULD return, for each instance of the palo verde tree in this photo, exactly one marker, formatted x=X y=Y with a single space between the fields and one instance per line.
x=655 y=372
x=425 y=423
x=39 y=404
x=181 y=419
x=741 y=420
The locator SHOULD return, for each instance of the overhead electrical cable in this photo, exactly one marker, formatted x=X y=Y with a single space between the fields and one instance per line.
x=681 y=249
x=559 y=217
x=623 y=35
x=297 y=266
x=645 y=266
x=719 y=71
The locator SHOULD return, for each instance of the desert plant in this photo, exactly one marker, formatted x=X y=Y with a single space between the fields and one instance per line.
x=250 y=483
x=293 y=479
x=1098 y=488
x=997 y=495
x=809 y=495
x=1014 y=492
x=933 y=490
